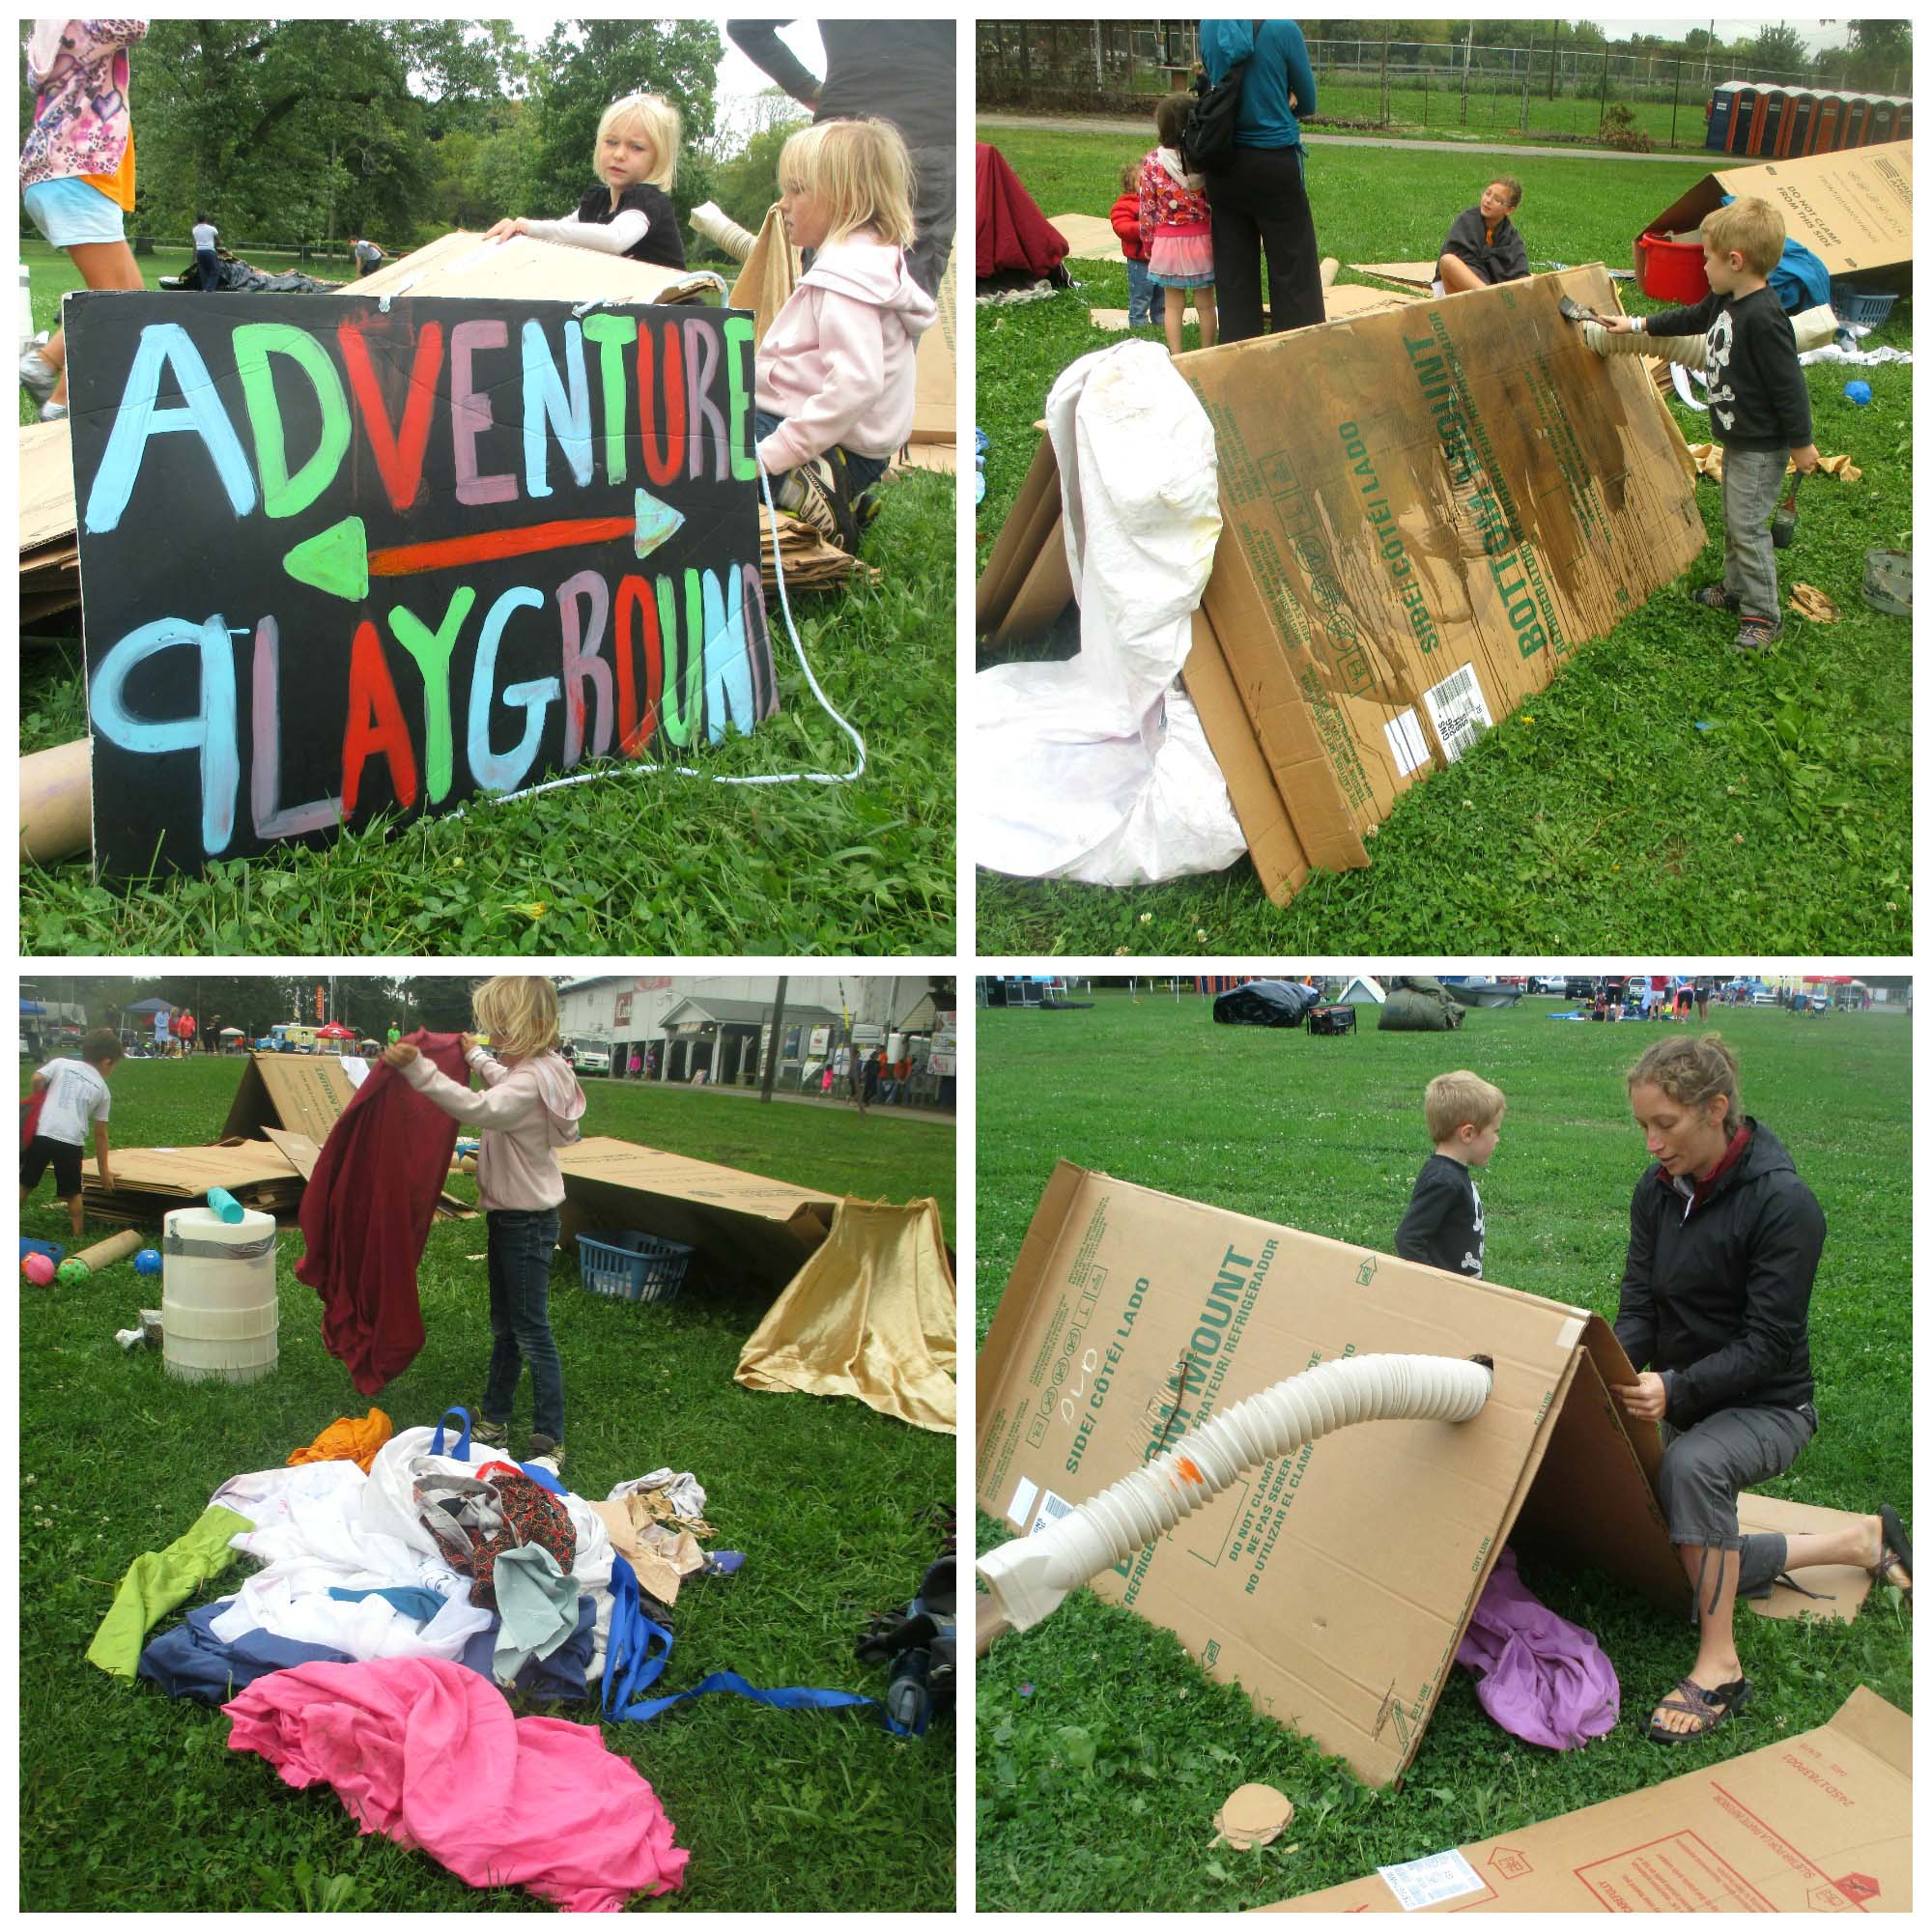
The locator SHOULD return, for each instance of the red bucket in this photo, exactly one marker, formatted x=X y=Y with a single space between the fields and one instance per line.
x=1672 y=270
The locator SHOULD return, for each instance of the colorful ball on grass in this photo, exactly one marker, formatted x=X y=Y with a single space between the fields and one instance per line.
x=1858 y=392
x=38 y=1269
x=73 y=1272
x=148 y=1262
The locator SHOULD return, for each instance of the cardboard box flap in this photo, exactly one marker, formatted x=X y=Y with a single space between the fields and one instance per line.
x=1821 y=1822
x=743 y=1225
x=1852 y=209
x=300 y=1093
x=1032 y=526
x=529 y=270
x=935 y=414
x=1334 y=1584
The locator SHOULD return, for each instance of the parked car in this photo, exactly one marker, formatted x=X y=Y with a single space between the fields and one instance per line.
x=1550 y=983
x=590 y=1056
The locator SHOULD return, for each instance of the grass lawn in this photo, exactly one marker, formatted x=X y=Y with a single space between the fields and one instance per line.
x=1103 y=1750
x=644 y=862
x=133 y=1801
x=1663 y=792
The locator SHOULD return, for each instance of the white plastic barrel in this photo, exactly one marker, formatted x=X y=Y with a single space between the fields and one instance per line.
x=217 y=1296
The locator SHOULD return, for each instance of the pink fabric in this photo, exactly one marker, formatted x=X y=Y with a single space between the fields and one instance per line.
x=79 y=77
x=426 y=1753
x=1542 y=1677
x=525 y=1112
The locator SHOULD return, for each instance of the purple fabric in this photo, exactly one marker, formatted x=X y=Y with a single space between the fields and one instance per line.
x=1540 y=1678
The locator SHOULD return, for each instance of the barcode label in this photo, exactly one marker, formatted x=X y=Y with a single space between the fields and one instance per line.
x=1021 y=1506
x=1405 y=742
x=1458 y=710
x=1051 y=1509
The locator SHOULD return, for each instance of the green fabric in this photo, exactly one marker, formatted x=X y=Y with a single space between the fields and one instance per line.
x=537 y=1603
x=159 y=1581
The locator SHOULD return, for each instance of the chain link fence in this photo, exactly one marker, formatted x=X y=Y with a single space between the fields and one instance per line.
x=1451 y=89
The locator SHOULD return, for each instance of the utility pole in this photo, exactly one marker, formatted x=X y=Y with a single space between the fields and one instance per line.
x=770 y=1070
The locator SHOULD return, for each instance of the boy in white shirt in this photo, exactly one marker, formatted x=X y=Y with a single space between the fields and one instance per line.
x=72 y=1093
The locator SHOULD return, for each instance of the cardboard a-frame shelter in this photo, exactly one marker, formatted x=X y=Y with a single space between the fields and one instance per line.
x=291 y=1099
x=1425 y=513
x=873 y=1314
x=1821 y=1822
x=1335 y=1584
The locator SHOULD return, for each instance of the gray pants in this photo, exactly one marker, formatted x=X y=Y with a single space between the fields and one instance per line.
x=1707 y=1464
x=934 y=195
x=1752 y=479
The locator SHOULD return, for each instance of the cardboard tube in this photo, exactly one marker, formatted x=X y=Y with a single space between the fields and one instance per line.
x=115 y=1248
x=56 y=819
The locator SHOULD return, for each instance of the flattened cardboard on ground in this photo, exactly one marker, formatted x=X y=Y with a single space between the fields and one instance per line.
x=1839 y=1590
x=1088 y=238
x=742 y=1224
x=148 y=1181
x=1431 y=510
x=1853 y=210
x=1335 y=1584
x=1821 y=1822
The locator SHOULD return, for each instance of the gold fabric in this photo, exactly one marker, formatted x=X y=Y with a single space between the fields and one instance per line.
x=768 y=278
x=872 y=1315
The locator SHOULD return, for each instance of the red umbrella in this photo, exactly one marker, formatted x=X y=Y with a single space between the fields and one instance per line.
x=334 y=1032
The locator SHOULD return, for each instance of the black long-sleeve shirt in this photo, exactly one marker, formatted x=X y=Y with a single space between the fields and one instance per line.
x=1444 y=1223
x=1758 y=398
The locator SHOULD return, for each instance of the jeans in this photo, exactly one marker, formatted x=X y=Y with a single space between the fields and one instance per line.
x=1752 y=479
x=208 y=266
x=1260 y=204
x=864 y=471
x=1147 y=301
x=519 y=1243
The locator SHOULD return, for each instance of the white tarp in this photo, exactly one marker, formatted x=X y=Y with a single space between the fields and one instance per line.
x=1097 y=768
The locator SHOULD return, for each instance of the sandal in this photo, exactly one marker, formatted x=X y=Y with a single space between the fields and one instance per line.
x=1710 y=1708
x=1714 y=597
x=1894 y=1551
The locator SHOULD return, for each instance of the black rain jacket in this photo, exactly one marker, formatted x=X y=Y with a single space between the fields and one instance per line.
x=1716 y=1301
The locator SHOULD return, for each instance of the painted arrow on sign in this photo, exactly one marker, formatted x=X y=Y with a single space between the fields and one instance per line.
x=338 y=560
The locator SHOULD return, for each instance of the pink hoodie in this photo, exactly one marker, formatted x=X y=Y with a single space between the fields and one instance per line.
x=838 y=360
x=527 y=1112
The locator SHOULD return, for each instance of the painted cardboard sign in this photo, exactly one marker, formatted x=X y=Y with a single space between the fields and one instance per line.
x=340 y=560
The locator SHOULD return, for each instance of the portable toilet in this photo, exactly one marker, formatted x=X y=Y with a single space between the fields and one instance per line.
x=1797 y=124
x=1883 y=122
x=1719 y=116
x=1824 y=135
x=1852 y=126
x=1901 y=126
x=1769 y=116
x=1742 y=115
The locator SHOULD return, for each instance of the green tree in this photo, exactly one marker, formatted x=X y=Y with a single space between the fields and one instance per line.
x=1881 y=54
x=747 y=184
x=1780 y=49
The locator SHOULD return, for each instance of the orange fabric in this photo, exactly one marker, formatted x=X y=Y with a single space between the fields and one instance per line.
x=348 y=1439
x=118 y=186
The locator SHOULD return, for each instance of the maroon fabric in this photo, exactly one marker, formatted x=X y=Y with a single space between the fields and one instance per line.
x=1012 y=230
x=366 y=1211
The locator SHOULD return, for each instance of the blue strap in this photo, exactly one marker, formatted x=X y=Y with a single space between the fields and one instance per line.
x=631 y=1665
x=462 y=1450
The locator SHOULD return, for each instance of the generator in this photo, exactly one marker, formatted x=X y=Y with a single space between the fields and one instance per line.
x=1331 y=1020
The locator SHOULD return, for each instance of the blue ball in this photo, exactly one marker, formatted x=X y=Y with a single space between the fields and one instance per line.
x=1858 y=392
x=148 y=1262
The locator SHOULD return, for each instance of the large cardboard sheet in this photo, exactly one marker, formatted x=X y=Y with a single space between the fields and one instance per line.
x=149 y=1181
x=1821 y=1822
x=1335 y=1584
x=1853 y=210
x=935 y=414
x=303 y=1094
x=744 y=1226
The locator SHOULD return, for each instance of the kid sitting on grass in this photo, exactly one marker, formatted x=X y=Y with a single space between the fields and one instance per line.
x=629 y=214
x=1176 y=226
x=1483 y=247
x=1444 y=1223
x=836 y=370
x=530 y=1107
x=1760 y=408
x=1145 y=302
x=71 y=1092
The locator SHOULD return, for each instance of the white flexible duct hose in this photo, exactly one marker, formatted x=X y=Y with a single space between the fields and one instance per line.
x=1029 y=1577
x=1811 y=327
x=711 y=221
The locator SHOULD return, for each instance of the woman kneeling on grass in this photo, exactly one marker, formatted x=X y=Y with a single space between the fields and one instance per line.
x=1724 y=1243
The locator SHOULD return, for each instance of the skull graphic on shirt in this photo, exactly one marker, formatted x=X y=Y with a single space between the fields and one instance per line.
x=1717 y=345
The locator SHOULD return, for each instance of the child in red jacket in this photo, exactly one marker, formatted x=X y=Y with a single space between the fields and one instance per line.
x=1145 y=300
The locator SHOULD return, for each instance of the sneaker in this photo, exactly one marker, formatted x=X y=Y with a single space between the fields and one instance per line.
x=52 y=411
x=1757 y=634
x=1714 y=597
x=495 y=1435
x=37 y=376
x=814 y=494
x=549 y=1453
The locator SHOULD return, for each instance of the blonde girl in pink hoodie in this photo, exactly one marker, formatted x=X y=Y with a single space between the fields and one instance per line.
x=530 y=1106
x=834 y=371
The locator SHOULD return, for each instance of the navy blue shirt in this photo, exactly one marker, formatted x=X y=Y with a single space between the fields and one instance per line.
x=1279 y=68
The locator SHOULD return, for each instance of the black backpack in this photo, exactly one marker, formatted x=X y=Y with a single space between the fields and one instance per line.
x=1209 y=135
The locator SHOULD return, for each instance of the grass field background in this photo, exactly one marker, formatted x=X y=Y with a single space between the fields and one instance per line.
x=132 y=1801
x=642 y=862
x=1103 y=1750
x=1664 y=792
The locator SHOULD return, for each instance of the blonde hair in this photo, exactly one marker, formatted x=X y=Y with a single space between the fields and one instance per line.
x=860 y=170
x=659 y=123
x=1453 y=1100
x=520 y=1015
x=1753 y=227
x=1692 y=1072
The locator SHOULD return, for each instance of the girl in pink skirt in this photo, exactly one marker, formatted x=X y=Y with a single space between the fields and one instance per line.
x=1174 y=224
